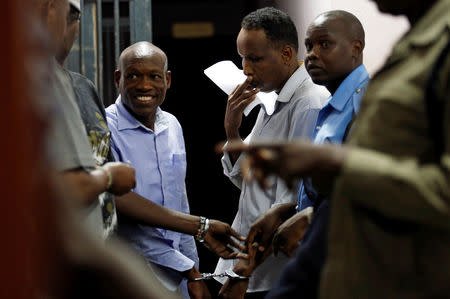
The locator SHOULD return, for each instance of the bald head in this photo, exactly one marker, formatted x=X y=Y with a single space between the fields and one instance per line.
x=341 y=20
x=141 y=50
x=143 y=79
x=334 y=43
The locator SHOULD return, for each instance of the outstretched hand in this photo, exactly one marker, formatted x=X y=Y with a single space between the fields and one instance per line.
x=224 y=241
x=289 y=161
x=263 y=229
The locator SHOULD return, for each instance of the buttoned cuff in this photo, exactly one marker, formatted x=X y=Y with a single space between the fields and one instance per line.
x=174 y=260
x=230 y=169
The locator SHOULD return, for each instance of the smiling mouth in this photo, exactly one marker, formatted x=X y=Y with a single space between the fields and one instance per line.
x=144 y=98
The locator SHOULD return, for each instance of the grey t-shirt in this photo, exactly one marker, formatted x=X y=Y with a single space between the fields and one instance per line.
x=70 y=148
x=68 y=145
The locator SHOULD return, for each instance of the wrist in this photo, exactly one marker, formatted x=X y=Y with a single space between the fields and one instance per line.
x=243 y=268
x=288 y=210
x=192 y=273
x=284 y=211
x=109 y=177
x=232 y=133
x=202 y=229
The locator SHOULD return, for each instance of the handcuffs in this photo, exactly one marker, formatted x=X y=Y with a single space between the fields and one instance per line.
x=228 y=273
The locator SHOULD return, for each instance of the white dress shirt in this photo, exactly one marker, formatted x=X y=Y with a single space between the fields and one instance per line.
x=295 y=115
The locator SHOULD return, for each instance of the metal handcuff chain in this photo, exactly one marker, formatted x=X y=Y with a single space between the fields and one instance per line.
x=228 y=273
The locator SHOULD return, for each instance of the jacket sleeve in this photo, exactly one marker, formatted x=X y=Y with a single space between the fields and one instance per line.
x=404 y=189
x=399 y=189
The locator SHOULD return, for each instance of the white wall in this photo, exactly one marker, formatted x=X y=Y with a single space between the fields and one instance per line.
x=382 y=30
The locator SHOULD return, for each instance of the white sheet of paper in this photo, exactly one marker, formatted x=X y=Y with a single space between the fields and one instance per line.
x=226 y=75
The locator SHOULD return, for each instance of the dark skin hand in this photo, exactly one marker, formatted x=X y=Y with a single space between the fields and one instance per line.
x=291 y=161
x=87 y=186
x=258 y=246
x=220 y=237
x=233 y=289
x=236 y=289
x=263 y=229
x=219 y=240
x=290 y=232
x=197 y=289
x=123 y=177
x=238 y=100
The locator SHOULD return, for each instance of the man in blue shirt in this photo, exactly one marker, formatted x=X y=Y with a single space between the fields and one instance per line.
x=334 y=43
x=152 y=141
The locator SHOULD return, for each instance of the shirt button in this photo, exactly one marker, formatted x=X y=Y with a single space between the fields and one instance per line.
x=358 y=90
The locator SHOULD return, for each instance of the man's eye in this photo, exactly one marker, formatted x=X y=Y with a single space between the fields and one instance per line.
x=131 y=76
x=324 y=44
x=254 y=59
x=308 y=46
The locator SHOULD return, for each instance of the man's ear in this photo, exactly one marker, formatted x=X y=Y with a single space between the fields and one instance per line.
x=47 y=7
x=117 y=75
x=168 y=78
x=286 y=54
x=357 y=48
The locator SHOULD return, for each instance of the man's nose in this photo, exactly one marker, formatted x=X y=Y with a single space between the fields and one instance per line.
x=247 y=67
x=313 y=53
x=145 y=83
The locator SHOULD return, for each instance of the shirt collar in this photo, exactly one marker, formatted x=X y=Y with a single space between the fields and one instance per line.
x=348 y=87
x=127 y=121
x=427 y=30
x=292 y=84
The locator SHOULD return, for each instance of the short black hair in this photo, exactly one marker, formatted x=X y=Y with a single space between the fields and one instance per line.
x=277 y=25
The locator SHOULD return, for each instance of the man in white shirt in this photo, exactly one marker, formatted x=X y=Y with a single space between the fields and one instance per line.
x=268 y=45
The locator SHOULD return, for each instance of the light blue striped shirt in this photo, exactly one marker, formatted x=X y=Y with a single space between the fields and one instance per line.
x=159 y=158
